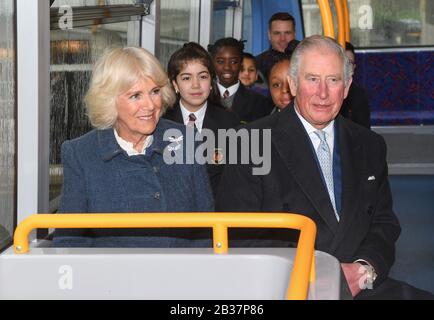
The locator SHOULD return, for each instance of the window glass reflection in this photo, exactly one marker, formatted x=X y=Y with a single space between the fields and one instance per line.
x=80 y=3
x=223 y=19
x=7 y=123
x=381 y=23
x=175 y=27
x=72 y=55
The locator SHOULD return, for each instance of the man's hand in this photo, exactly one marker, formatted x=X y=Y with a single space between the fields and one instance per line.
x=355 y=277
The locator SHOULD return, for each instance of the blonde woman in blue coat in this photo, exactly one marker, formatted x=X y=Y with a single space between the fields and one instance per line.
x=125 y=164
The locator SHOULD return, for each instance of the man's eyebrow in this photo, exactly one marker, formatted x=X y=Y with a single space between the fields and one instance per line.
x=311 y=75
x=337 y=75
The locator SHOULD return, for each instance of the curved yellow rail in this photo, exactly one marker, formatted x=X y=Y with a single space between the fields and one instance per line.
x=304 y=263
x=347 y=21
x=327 y=18
x=340 y=12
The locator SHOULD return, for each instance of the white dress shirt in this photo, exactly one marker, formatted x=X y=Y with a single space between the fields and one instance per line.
x=232 y=89
x=200 y=115
x=329 y=130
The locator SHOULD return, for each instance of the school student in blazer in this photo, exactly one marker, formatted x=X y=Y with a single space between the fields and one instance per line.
x=278 y=84
x=227 y=55
x=192 y=75
x=359 y=228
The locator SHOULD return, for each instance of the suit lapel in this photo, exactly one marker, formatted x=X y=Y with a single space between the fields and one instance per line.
x=209 y=120
x=294 y=146
x=239 y=100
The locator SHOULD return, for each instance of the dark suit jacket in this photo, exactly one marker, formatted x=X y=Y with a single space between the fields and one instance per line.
x=215 y=118
x=368 y=227
x=250 y=105
x=356 y=106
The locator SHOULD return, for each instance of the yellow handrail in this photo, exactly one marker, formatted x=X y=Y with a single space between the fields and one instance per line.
x=304 y=263
x=341 y=22
x=347 y=21
x=327 y=18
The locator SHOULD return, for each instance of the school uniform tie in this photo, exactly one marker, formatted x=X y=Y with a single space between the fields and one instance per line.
x=326 y=163
x=226 y=94
x=191 y=120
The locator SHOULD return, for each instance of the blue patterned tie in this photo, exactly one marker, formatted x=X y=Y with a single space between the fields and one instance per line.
x=326 y=163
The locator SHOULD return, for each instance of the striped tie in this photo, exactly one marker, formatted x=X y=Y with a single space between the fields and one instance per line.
x=191 y=120
x=325 y=161
x=226 y=94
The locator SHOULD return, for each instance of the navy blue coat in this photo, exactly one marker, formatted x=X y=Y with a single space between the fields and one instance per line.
x=100 y=177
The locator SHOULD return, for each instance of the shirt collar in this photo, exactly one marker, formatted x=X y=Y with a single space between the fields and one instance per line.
x=109 y=148
x=329 y=129
x=128 y=147
x=200 y=114
x=232 y=89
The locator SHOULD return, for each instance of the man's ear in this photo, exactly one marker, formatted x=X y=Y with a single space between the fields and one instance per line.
x=292 y=85
x=347 y=88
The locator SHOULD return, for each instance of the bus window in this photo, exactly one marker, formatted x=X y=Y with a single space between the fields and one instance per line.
x=7 y=123
x=381 y=23
x=223 y=17
x=73 y=51
x=178 y=25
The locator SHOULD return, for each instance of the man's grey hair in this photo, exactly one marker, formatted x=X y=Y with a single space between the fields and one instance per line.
x=320 y=43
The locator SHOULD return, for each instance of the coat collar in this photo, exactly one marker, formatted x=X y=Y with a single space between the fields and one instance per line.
x=109 y=148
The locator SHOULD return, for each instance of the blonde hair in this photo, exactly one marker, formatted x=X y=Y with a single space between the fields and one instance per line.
x=116 y=71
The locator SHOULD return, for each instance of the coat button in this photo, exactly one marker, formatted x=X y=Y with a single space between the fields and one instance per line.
x=156 y=169
x=370 y=210
x=157 y=195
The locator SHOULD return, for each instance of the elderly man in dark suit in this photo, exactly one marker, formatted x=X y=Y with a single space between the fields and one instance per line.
x=327 y=168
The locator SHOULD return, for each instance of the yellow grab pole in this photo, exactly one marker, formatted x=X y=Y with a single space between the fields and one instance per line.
x=347 y=21
x=341 y=22
x=220 y=238
x=304 y=263
x=327 y=18
x=305 y=252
